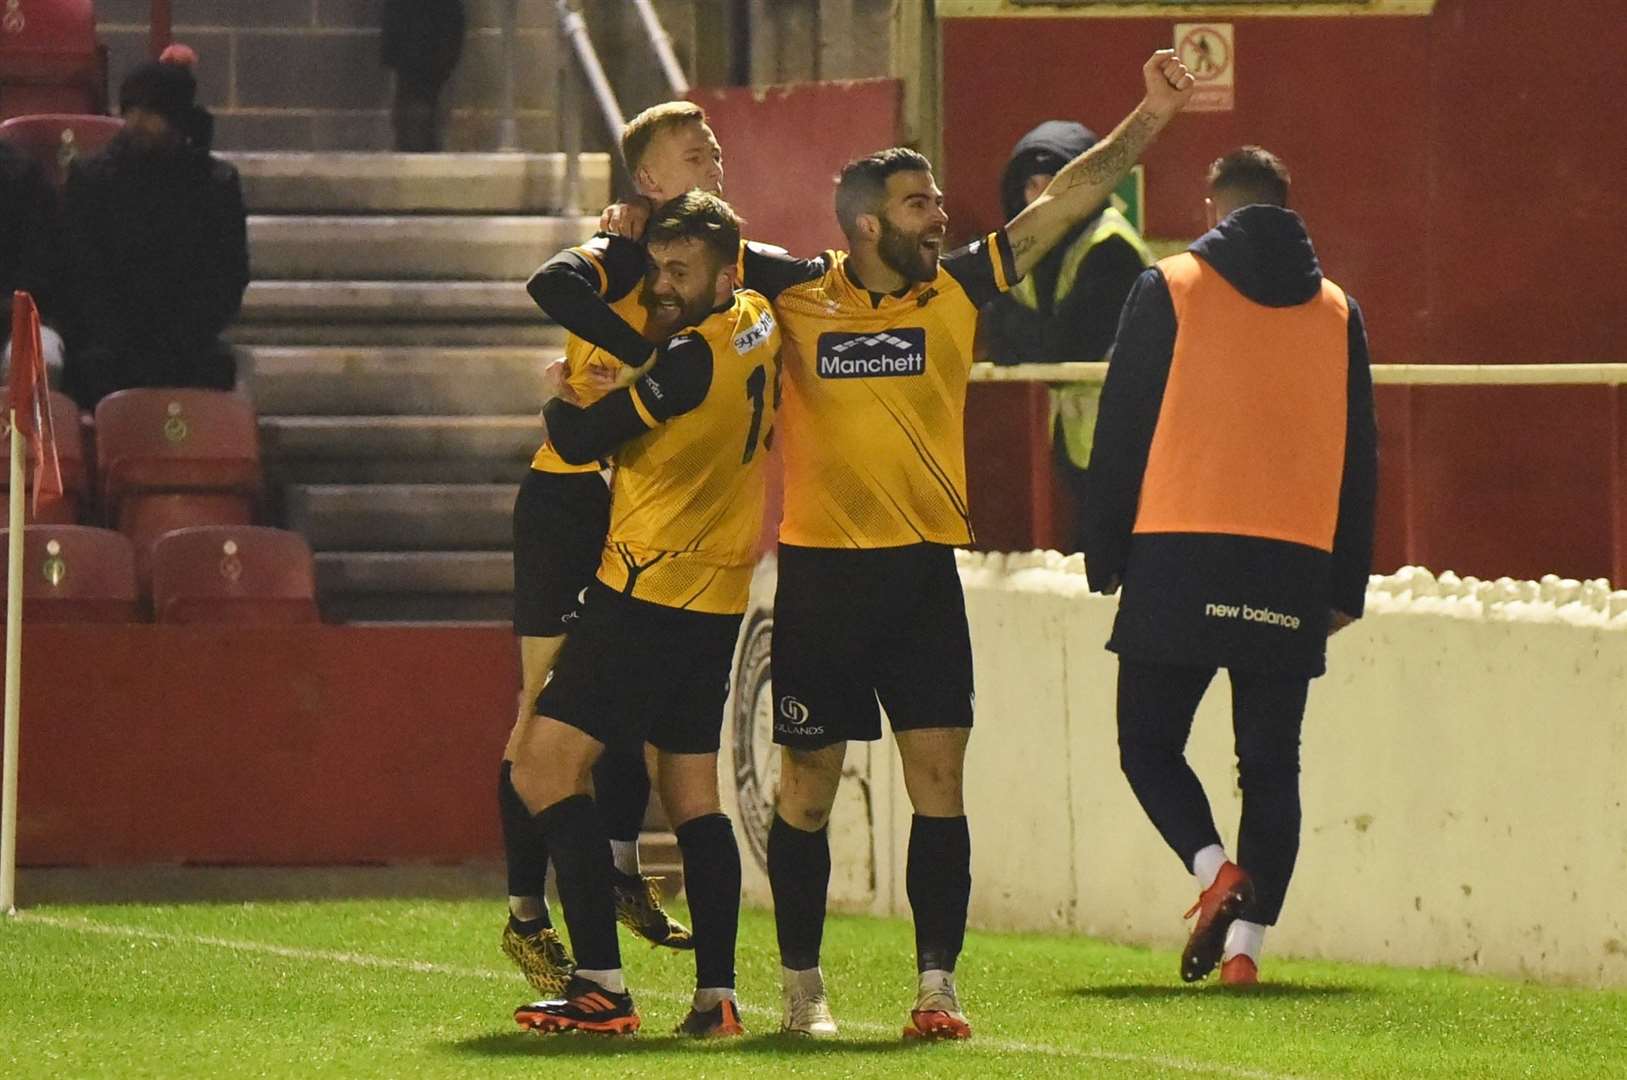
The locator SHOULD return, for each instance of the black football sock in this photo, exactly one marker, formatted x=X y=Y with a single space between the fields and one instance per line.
x=938 y=879
x=712 y=883
x=621 y=789
x=799 y=875
x=581 y=857
x=524 y=849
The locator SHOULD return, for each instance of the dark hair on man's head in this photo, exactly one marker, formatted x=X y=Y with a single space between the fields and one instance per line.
x=701 y=216
x=642 y=129
x=862 y=186
x=1250 y=175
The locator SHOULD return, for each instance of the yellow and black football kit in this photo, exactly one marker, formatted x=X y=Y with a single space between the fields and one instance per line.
x=563 y=510
x=872 y=429
x=650 y=658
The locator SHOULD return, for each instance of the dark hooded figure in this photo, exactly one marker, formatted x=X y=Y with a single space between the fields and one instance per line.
x=157 y=241
x=30 y=244
x=1067 y=308
x=422 y=41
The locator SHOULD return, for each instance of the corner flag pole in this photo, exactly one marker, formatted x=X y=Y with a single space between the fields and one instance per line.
x=14 y=681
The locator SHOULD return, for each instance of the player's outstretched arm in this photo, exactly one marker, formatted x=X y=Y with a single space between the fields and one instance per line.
x=1084 y=183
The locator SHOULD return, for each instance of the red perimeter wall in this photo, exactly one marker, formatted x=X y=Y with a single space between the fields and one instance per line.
x=266 y=746
x=1460 y=172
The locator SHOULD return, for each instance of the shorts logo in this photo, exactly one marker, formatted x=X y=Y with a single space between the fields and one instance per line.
x=760 y=332
x=793 y=710
x=897 y=352
x=1251 y=614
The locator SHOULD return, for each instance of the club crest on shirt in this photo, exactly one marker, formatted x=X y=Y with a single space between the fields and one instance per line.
x=899 y=351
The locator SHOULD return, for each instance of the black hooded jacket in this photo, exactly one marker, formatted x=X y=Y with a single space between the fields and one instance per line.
x=1169 y=579
x=30 y=244
x=1080 y=326
x=159 y=250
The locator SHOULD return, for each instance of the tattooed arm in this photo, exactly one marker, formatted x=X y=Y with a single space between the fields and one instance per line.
x=1084 y=183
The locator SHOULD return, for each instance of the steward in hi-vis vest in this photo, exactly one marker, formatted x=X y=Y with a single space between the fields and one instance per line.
x=1234 y=469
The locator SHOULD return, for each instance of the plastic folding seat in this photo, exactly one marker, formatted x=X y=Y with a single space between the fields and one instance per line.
x=55 y=140
x=74 y=573
x=49 y=59
x=169 y=459
x=70 y=437
x=219 y=574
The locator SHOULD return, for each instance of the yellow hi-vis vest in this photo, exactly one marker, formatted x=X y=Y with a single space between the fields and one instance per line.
x=1074 y=406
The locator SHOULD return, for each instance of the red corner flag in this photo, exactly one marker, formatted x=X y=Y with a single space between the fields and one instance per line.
x=30 y=398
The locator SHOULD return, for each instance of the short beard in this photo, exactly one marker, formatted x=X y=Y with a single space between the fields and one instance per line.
x=901 y=253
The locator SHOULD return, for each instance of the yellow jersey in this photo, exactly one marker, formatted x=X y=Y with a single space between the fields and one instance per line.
x=687 y=498
x=873 y=424
x=618 y=269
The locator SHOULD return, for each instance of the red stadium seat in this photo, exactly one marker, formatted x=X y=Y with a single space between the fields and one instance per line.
x=169 y=459
x=70 y=453
x=49 y=59
x=72 y=573
x=55 y=140
x=217 y=574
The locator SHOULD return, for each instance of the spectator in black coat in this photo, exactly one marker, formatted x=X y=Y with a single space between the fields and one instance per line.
x=423 y=40
x=157 y=236
x=30 y=249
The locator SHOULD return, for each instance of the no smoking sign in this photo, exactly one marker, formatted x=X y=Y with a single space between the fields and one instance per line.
x=1209 y=52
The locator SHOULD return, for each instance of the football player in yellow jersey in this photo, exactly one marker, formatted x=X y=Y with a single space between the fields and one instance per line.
x=869 y=609
x=649 y=659
x=560 y=518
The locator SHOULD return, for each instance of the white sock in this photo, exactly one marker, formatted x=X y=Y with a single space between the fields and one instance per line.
x=1245 y=939
x=611 y=979
x=624 y=853
x=809 y=980
x=1206 y=864
x=525 y=908
x=709 y=997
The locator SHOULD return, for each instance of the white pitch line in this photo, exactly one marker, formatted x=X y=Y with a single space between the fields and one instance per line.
x=424 y=967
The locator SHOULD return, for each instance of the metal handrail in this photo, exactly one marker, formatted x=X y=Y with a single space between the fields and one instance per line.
x=661 y=42
x=1383 y=374
x=575 y=28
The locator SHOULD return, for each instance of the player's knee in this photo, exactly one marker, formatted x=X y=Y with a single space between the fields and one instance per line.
x=805 y=818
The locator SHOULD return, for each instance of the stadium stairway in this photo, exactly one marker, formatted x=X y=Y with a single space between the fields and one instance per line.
x=395 y=360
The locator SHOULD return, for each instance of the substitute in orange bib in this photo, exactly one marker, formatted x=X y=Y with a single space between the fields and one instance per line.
x=1232 y=484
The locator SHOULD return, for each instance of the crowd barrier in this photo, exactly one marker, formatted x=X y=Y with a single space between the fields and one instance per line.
x=1464 y=798
x=1497 y=470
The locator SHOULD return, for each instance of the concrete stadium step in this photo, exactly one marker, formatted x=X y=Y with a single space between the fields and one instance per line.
x=394 y=438
x=423 y=572
x=427 y=517
x=388 y=302
x=408 y=248
x=401 y=335
x=426 y=183
x=397 y=381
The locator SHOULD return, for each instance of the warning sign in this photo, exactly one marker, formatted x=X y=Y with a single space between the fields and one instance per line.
x=1209 y=52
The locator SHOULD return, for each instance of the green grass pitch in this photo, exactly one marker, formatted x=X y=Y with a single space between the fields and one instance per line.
x=417 y=988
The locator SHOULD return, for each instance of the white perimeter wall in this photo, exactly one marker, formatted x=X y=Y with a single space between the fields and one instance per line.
x=1464 y=780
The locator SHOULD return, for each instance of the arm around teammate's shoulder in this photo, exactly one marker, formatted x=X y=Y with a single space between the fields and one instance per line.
x=771 y=270
x=575 y=287
x=1126 y=418
x=676 y=383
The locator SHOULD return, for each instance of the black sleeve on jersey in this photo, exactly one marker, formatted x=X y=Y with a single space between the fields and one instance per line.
x=975 y=267
x=677 y=383
x=572 y=290
x=771 y=270
x=678 y=380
